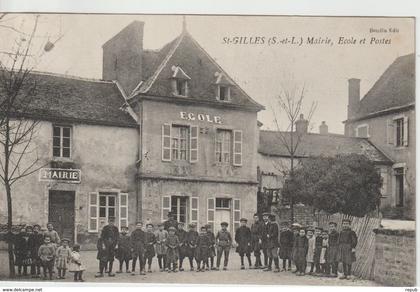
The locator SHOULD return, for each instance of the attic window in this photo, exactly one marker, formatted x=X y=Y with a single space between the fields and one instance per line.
x=179 y=81
x=223 y=93
x=223 y=86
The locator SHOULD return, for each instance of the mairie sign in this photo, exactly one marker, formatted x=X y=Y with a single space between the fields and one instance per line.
x=60 y=174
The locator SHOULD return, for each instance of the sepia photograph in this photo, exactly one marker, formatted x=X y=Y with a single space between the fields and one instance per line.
x=207 y=149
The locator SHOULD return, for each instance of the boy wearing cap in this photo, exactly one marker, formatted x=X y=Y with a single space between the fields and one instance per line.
x=243 y=240
x=295 y=230
x=333 y=248
x=318 y=247
x=212 y=249
x=34 y=242
x=172 y=252
x=272 y=244
x=264 y=241
x=191 y=244
x=46 y=254
x=138 y=242
x=256 y=236
x=286 y=245
x=311 y=249
x=124 y=249
x=182 y=235
x=202 y=250
x=347 y=248
x=150 y=239
x=323 y=260
x=110 y=235
x=161 y=237
x=223 y=242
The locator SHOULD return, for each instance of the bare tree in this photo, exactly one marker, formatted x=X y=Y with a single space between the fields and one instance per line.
x=18 y=128
x=289 y=104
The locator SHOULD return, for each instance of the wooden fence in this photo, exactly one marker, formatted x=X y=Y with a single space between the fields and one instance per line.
x=365 y=249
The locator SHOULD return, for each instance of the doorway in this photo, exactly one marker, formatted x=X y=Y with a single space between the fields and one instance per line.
x=223 y=213
x=61 y=212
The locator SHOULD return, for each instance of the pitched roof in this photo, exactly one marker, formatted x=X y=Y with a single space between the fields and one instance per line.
x=312 y=144
x=186 y=53
x=395 y=88
x=72 y=99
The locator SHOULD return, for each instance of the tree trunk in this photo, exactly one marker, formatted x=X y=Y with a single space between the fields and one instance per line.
x=9 y=232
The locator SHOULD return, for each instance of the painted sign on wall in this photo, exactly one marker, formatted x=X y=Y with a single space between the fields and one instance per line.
x=60 y=174
x=201 y=117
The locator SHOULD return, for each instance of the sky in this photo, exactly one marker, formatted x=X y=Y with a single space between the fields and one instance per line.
x=261 y=69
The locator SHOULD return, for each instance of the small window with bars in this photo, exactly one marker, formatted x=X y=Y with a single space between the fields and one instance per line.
x=61 y=141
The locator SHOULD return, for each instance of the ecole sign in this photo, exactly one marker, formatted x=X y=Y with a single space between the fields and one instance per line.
x=201 y=117
x=60 y=174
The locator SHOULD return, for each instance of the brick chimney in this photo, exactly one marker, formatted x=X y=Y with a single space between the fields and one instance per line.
x=354 y=97
x=302 y=125
x=323 y=128
x=122 y=57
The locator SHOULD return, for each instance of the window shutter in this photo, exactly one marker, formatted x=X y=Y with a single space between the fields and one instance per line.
x=405 y=134
x=123 y=209
x=237 y=147
x=211 y=208
x=93 y=212
x=390 y=133
x=194 y=210
x=193 y=144
x=166 y=206
x=236 y=213
x=166 y=142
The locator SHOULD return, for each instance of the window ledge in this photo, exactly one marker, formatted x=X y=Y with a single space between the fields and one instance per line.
x=62 y=159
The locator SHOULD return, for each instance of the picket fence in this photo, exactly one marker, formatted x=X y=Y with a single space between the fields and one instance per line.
x=365 y=249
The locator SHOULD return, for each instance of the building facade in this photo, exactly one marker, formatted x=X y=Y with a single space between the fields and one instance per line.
x=386 y=116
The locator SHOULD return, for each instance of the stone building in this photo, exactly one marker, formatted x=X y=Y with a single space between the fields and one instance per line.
x=386 y=117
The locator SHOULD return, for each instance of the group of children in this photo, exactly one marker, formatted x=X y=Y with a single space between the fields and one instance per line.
x=36 y=249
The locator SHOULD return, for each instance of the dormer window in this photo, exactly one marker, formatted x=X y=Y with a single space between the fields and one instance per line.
x=224 y=93
x=179 y=80
x=223 y=87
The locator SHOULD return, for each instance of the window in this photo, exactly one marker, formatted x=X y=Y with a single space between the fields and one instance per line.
x=399 y=186
x=107 y=205
x=179 y=208
x=362 y=131
x=61 y=141
x=180 y=137
x=223 y=146
x=399 y=132
x=223 y=93
x=222 y=203
x=185 y=208
x=181 y=87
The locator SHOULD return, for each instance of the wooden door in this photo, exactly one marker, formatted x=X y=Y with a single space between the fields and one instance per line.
x=61 y=213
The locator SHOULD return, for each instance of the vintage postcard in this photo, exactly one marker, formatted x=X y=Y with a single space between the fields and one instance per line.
x=207 y=149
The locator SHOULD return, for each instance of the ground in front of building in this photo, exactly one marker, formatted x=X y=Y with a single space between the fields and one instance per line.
x=232 y=276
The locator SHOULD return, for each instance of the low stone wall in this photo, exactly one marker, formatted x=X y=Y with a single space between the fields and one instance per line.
x=395 y=257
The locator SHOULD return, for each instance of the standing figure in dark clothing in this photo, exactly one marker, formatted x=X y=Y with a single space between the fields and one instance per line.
x=347 y=248
x=272 y=244
x=102 y=257
x=295 y=230
x=264 y=238
x=150 y=247
x=110 y=236
x=318 y=248
x=191 y=244
x=243 y=241
x=161 y=237
x=223 y=242
x=301 y=250
x=138 y=241
x=256 y=235
x=171 y=222
x=23 y=251
x=36 y=239
x=202 y=249
x=212 y=248
x=124 y=250
x=286 y=245
x=172 y=251
x=182 y=235
x=333 y=249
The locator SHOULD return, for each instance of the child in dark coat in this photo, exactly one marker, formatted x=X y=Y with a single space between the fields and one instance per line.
x=23 y=251
x=191 y=243
x=101 y=256
x=286 y=245
x=323 y=257
x=301 y=249
x=212 y=249
x=150 y=246
x=46 y=254
x=333 y=249
x=202 y=250
x=124 y=250
x=172 y=251
x=243 y=240
x=347 y=248
x=182 y=234
x=318 y=247
x=36 y=239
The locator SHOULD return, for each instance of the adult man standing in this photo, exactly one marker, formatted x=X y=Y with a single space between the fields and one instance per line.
x=110 y=236
x=264 y=238
x=256 y=235
x=138 y=243
x=272 y=244
x=171 y=222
